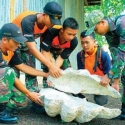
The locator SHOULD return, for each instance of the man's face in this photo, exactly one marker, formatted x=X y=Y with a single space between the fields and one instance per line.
x=88 y=43
x=48 y=22
x=44 y=20
x=10 y=44
x=102 y=27
x=68 y=34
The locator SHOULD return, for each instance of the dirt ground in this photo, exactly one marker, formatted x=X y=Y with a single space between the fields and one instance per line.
x=27 y=117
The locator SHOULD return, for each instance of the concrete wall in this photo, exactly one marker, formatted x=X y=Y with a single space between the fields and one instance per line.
x=9 y=9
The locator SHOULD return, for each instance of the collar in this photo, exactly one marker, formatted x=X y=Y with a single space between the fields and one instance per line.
x=111 y=24
x=95 y=49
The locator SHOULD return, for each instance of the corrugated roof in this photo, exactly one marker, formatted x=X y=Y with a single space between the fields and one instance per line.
x=9 y=9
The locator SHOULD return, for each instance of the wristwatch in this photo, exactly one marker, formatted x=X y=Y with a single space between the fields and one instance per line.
x=110 y=76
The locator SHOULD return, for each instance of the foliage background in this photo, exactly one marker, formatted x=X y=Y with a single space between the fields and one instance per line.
x=110 y=8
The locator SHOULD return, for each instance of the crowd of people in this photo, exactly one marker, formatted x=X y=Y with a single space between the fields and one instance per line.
x=18 y=52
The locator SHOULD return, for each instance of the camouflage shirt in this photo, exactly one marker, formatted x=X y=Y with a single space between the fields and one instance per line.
x=116 y=39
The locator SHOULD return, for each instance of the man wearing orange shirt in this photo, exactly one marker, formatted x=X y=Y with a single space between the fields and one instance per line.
x=94 y=59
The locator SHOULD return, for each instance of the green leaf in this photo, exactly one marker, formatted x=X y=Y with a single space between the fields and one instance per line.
x=109 y=8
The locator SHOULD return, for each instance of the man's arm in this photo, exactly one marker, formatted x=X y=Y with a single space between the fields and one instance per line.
x=28 y=29
x=115 y=84
x=29 y=70
x=48 y=56
x=59 y=61
x=31 y=95
x=56 y=63
x=106 y=65
x=32 y=48
x=119 y=62
x=116 y=70
x=54 y=70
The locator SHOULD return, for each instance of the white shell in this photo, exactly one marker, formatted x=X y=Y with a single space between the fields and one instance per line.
x=73 y=108
x=81 y=81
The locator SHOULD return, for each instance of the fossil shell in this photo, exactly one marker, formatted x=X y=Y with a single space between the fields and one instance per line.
x=73 y=108
x=81 y=81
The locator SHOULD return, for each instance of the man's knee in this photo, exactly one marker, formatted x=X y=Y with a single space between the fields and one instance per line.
x=7 y=75
x=101 y=99
x=6 y=84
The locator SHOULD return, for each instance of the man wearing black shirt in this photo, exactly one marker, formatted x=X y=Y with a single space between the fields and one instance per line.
x=60 y=43
x=33 y=25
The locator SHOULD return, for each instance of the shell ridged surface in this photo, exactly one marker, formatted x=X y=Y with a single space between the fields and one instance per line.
x=73 y=108
x=81 y=81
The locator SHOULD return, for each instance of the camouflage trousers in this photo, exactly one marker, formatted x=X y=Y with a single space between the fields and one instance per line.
x=30 y=81
x=65 y=65
x=9 y=94
x=114 y=51
x=28 y=59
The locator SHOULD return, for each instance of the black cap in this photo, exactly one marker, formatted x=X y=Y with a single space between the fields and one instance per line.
x=12 y=31
x=54 y=10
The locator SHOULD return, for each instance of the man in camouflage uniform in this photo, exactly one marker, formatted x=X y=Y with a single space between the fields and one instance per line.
x=114 y=31
x=10 y=39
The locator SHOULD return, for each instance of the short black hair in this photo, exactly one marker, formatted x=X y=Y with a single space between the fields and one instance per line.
x=83 y=34
x=70 y=23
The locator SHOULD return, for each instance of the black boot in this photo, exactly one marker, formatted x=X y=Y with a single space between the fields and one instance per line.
x=5 y=117
x=37 y=108
x=12 y=111
x=122 y=115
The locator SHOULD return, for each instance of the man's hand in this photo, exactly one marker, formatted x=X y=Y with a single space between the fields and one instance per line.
x=49 y=83
x=105 y=80
x=115 y=84
x=31 y=95
x=34 y=97
x=46 y=75
x=55 y=71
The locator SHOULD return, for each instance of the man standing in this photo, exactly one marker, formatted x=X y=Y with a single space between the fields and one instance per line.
x=10 y=39
x=94 y=59
x=114 y=31
x=59 y=43
x=33 y=25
